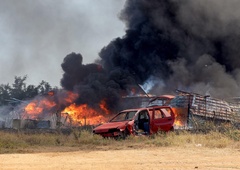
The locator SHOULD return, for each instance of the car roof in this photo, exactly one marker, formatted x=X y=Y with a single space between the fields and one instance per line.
x=135 y=109
x=156 y=106
x=144 y=108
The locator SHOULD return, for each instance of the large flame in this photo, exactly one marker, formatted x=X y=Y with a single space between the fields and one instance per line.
x=180 y=116
x=70 y=97
x=44 y=105
x=85 y=115
x=37 y=107
x=77 y=114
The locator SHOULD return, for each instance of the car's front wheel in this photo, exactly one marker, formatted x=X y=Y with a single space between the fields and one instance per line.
x=123 y=134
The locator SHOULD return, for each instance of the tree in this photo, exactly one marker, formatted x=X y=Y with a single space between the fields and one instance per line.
x=30 y=92
x=20 y=91
x=4 y=94
x=44 y=87
x=19 y=88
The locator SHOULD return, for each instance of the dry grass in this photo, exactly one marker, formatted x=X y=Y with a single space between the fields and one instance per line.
x=84 y=140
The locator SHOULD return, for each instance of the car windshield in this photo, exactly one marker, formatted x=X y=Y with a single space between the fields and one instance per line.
x=123 y=116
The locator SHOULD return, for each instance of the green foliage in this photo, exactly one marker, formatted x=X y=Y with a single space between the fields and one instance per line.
x=5 y=94
x=233 y=134
x=19 y=87
x=21 y=91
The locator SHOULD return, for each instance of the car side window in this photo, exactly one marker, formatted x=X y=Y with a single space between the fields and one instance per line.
x=143 y=115
x=167 y=112
x=158 y=114
x=130 y=115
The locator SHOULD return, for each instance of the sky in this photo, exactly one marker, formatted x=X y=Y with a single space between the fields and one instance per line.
x=35 y=36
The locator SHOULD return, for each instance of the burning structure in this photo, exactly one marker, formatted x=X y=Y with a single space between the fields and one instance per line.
x=58 y=109
x=167 y=45
x=191 y=109
x=54 y=111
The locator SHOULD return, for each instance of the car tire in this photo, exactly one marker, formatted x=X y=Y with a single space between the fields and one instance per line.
x=172 y=129
x=124 y=134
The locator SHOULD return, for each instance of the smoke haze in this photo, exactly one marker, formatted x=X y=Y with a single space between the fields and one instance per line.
x=36 y=35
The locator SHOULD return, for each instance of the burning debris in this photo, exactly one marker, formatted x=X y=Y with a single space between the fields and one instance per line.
x=55 y=111
x=191 y=108
x=62 y=110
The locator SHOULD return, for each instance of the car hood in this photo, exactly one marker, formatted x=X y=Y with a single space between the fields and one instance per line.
x=110 y=125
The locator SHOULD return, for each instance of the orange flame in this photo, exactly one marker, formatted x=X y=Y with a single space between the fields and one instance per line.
x=102 y=105
x=50 y=93
x=70 y=97
x=180 y=116
x=85 y=115
x=36 y=107
x=77 y=114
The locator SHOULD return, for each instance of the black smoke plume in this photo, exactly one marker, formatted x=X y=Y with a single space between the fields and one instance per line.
x=191 y=45
x=169 y=44
x=93 y=83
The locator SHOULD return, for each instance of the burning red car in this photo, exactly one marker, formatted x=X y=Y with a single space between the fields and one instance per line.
x=142 y=121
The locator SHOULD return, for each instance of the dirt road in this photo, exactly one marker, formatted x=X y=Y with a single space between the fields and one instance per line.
x=150 y=158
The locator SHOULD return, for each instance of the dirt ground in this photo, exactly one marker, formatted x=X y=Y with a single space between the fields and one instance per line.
x=149 y=158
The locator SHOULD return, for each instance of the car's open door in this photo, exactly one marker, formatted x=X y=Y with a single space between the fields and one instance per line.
x=162 y=119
